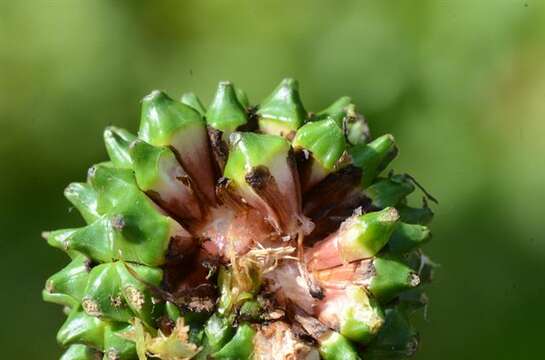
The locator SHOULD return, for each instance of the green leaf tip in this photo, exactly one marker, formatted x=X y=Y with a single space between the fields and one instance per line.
x=163 y=119
x=374 y=157
x=81 y=352
x=226 y=113
x=324 y=139
x=359 y=237
x=390 y=191
x=84 y=198
x=117 y=145
x=193 y=101
x=337 y=347
x=240 y=347
x=282 y=113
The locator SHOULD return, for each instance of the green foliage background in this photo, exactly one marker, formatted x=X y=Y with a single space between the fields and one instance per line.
x=460 y=84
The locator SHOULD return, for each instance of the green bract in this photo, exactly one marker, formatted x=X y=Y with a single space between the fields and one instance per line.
x=226 y=112
x=240 y=231
x=282 y=112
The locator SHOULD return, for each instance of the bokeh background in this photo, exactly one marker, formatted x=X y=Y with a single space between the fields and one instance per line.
x=460 y=84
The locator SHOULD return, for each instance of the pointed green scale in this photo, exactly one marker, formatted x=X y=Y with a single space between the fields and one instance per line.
x=337 y=347
x=159 y=174
x=365 y=235
x=84 y=198
x=226 y=113
x=282 y=113
x=261 y=170
x=335 y=111
x=250 y=150
x=128 y=232
x=60 y=238
x=80 y=328
x=114 y=293
x=411 y=215
x=338 y=106
x=95 y=240
x=408 y=237
x=114 y=186
x=359 y=237
x=135 y=283
x=390 y=191
x=396 y=340
x=103 y=296
x=116 y=346
x=324 y=139
x=133 y=231
x=81 y=352
x=132 y=227
x=218 y=331
x=242 y=97
x=240 y=347
x=391 y=278
x=225 y=300
x=67 y=286
x=373 y=157
x=164 y=118
x=117 y=142
x=166 y=122
x=172 y=311
x=193 y=101
x=147 y=163
x=361 y=318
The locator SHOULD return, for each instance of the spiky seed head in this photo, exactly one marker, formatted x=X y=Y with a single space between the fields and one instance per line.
x=222 y=232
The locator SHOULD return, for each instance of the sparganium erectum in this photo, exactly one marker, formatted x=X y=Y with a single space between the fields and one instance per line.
x=243 y=232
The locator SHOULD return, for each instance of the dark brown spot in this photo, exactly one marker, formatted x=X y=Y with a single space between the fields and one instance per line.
x=258 y=177
x=219 y=148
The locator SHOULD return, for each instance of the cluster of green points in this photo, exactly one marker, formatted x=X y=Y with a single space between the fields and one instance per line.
x=111 y=288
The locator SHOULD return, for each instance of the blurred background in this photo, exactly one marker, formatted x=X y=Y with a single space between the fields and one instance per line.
x=459 y=83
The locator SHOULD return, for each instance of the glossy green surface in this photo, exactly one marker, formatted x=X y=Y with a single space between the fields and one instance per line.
x=82 y=328
x=337 y=347
x=163 y=118
x=67 y=286
x=367 y=234
x=193 y=101
x=240 y=347
x=218 y=331
x=119 y=291
x=282 y=112
x=373 y=157
x=80 y=352
x=148 y=161
x=390 y=191
x=248 y=150
x=336 y=111
x=130 y=228
x=115 y=345
x=117 y=143
x=324 y=139
x=362 y=318
x=407 y=237
x=226 y=113
x=391 y=277
x=84 y=199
